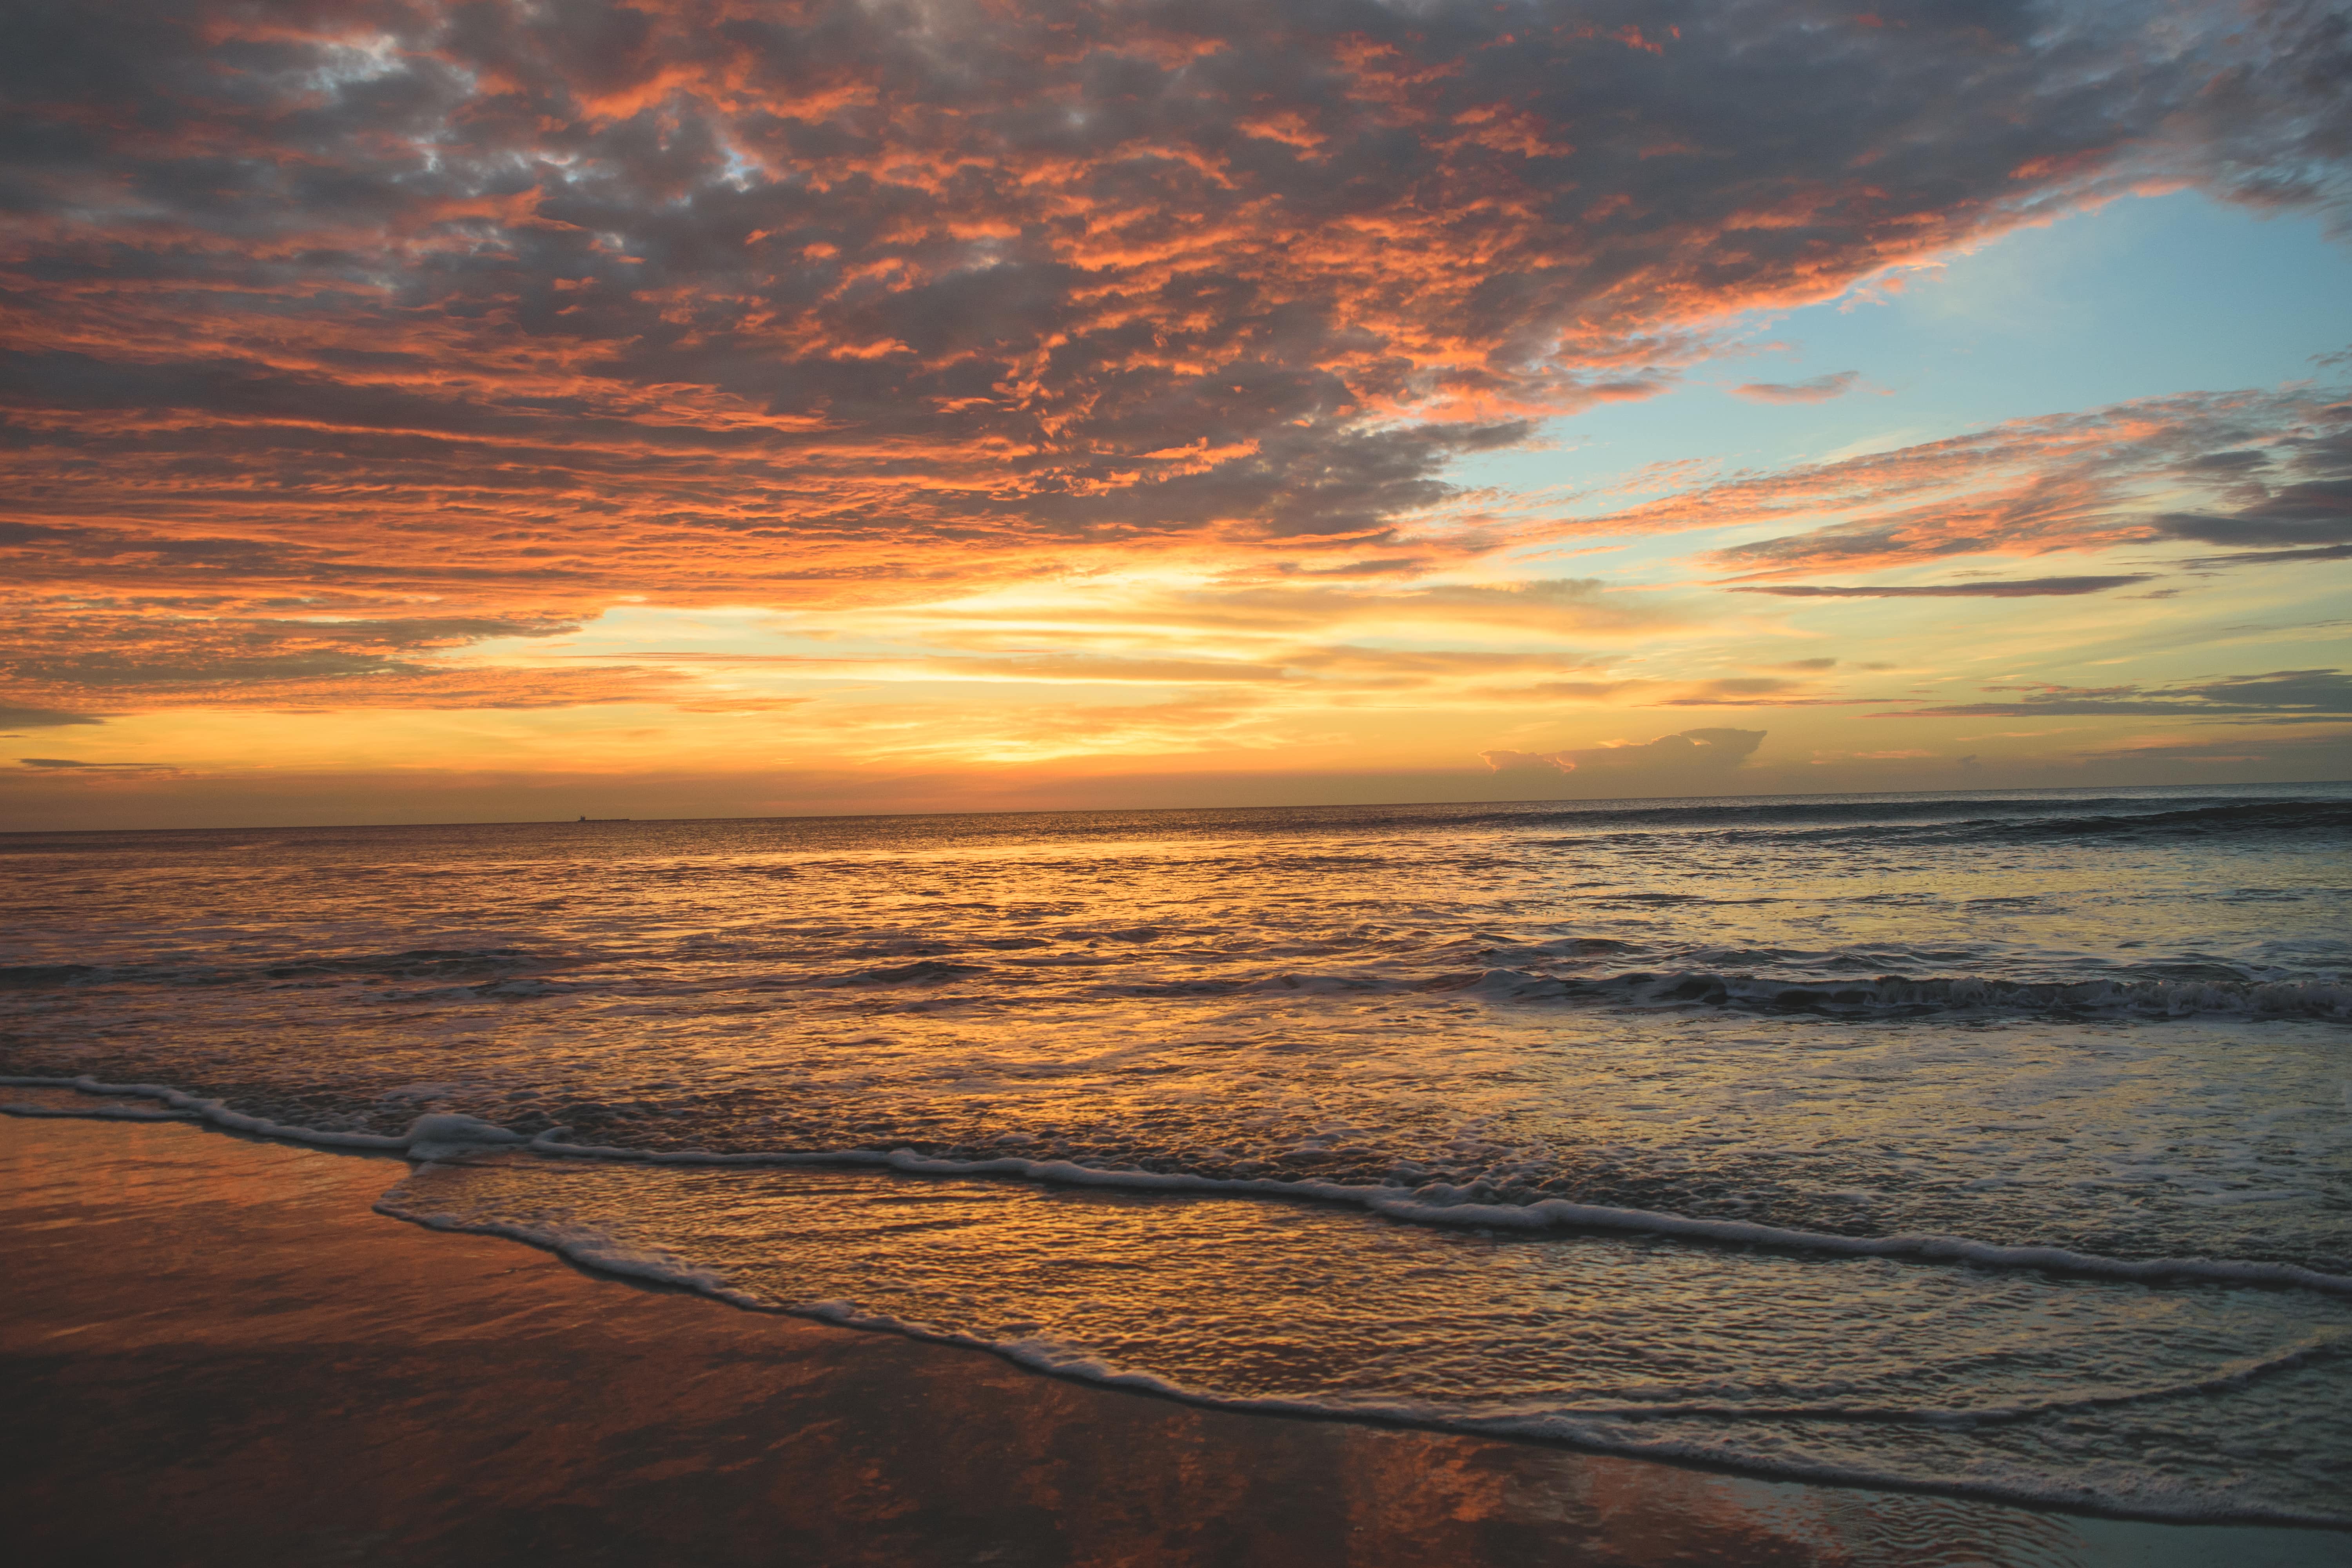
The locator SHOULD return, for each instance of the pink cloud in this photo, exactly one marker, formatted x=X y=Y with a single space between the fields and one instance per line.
x=521 y=309
x=1820 y=389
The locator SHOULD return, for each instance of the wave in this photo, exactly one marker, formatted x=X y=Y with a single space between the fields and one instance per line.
x=2175 y=991
x=1914 y=996
x=2055 y=813
x=1614 y=1430
x=24 y=976
x=412 y=964
x=2331 y=816
x=451 y=1135
x=1966 y=822
x=1630 y=1427
x=2228 y=1378
x=416 y=964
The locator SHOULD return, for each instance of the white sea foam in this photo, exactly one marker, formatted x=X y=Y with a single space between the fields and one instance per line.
x=445 y=1136
x=439 y=1136
x=1611 y=1429
x=1618 y=1427
x=595 y=1249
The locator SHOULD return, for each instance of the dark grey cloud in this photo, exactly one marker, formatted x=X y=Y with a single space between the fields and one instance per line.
x=2271 y=557
x=70 y=762
x=103 y=671
x=2273 y=127
x=834 y=215
x=2284 y=695
x=203 y=649
x=2290 y=504
x=524 y=307
x=2018 y=589
x=202 y=654
x=42 y=718
x=2318 y=514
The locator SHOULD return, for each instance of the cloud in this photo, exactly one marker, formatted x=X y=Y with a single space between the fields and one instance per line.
x=516 y=309
x=1509 y=761
x=1553 y=607
x=1753 y=692
x=1100 y=668
x=2312 y=510
x=203 y=653
x=2021 y=588
x=1696 y=757
x=1662 y=691
x=2271 y=557
x=2284 y=695
x=2084 y=480
x=2309 y=753
x=353 y=682
x=353 y=346
x=42 y=718
x=1818 y=389
x=1391 y=663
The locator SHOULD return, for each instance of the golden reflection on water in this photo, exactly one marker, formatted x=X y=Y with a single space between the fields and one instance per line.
x=2011 y=1380
x=1675 y=1013
x=223 y=1348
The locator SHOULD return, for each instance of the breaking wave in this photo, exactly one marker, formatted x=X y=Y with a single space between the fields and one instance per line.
x=1916 y=996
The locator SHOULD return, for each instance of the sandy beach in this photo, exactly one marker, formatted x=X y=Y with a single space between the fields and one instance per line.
x=216 y=1352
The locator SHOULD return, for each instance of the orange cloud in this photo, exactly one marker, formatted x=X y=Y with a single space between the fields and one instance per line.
x=1693 y=759
x=518 y=310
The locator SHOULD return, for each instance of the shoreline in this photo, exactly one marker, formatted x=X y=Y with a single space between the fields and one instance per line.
x=216 y=1343
x=445 y=1135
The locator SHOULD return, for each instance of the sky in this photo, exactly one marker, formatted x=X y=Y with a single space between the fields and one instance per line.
x=505 y=410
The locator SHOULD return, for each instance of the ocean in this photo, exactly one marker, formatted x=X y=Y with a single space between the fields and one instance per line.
x=1995 y=1144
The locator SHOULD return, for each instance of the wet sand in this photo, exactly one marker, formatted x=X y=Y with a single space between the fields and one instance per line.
x=215 y=1352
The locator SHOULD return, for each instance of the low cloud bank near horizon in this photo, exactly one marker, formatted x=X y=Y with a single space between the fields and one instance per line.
x=2282 y=696
x=1689 y=757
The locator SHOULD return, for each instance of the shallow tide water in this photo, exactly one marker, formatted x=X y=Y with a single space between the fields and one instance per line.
x=1996 y=1143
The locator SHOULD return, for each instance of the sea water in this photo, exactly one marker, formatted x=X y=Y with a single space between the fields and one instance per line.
x=1993 y=1142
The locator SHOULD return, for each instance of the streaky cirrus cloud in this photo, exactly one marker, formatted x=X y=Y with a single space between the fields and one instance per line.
x=2015 y=588
x=2279 y=696
x=50 y=763
x=179 y=653
x=2274 y=461
x=1815 y=389
x=327 y=310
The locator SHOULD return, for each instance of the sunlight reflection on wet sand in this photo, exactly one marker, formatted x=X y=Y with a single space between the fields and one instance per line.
x=213 y=1341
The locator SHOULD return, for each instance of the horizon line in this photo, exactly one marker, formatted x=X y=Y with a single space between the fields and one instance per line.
x=1147 y=810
